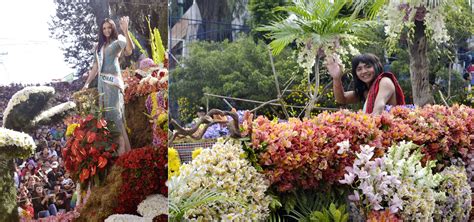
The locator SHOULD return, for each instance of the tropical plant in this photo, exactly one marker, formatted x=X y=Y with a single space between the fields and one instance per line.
x=311 y=205
x=318 y=28
x=157 y=48
x=333 y=214
x=422 y=21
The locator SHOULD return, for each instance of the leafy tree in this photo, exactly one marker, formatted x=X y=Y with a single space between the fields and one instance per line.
x=74 y=26
x=262 y=13
x=422 y=22
x=237 y=69
x=318 y=28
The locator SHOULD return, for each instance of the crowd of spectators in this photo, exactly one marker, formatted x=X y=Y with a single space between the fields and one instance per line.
x=44 y=187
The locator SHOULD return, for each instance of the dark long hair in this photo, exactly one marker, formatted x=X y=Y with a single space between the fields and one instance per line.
x=102 y=38
x=370 y=59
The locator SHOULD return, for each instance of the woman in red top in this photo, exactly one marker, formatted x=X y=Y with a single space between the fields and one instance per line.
x=371 y=85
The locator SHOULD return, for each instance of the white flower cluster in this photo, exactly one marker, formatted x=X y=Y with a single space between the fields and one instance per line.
x=396 y=181
x=374 y=185
x=23 y=95
x=306 y=57
x=457 y=205
x=224 y=168
x=61 y=108
x=418 y=183
x=401 y=14
x=127 y=218
x=18 y=139
x=154 y=205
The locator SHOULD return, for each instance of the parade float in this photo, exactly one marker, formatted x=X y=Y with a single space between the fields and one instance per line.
x=406 y=164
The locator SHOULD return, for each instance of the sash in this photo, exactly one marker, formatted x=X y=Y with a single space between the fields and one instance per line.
x=113 y=80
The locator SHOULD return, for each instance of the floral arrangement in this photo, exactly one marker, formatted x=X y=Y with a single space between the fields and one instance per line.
x=127 y=218
x=157 y=107
x=224 y=169
x=174 y=162
x=154 y=205
x=397 y=182
x=303 y=153
x=219 y=130
x=300 y=153
x=60 y=110
x=16 y=144
x=153 y=79
x=31 y=98
x=144 y=174
x=86 y=101
x=444 y=131
x=89 y=150
x=457 y=205
x=383 y=216
x=196 y=153
x=70 y=129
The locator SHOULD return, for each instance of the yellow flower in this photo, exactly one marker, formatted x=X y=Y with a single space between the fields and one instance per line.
x=196 y=152
x=71 y=128
x=173 y=162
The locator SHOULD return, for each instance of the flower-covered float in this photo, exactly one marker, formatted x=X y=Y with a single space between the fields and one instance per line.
x=407 y=164
x=130 y=187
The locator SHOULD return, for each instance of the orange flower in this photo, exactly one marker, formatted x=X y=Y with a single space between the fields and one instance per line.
x=84 y=175
x=102 y=162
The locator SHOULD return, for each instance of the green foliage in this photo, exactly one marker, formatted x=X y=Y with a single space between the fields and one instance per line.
x=137 y=44
x=315 y=23
x=334 y=214
x=75 y=27
x=237 y=69
x=199 y=198
x=303 y=205
x=262 y=13
x=157 y=48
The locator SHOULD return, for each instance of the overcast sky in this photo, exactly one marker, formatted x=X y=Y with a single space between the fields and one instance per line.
x=27 y=53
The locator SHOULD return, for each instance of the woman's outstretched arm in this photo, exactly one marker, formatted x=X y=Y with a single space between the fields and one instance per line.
x=334 y=69
x=124 y=26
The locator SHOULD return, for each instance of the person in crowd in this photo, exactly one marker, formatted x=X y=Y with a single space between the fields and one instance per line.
x=110 y=82
x=43 y=203
x=54 y=174
x=372 y=86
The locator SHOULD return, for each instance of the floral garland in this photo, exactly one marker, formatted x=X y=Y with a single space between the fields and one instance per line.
x=89 y=150
x=144 y=171
x=56 y=110
x=23 y=95
x=154 y=205
x=223 y=168
x=10 y=139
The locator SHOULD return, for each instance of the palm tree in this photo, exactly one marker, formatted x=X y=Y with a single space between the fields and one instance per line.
x=414 y=15
x=318 y=28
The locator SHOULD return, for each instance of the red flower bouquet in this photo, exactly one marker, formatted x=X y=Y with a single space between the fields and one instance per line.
x=90 y=150
x=144 y=173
